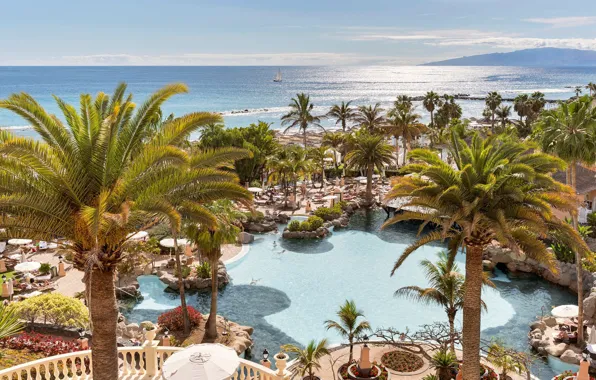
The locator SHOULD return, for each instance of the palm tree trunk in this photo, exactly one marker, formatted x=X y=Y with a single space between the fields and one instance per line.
x=578 y=263
x=472 y=312
x=304 y=136
x=369 y=174
x=396 y=151
x=432 y=119
x=104 y=316
x=492 y=122
x=211 y=326
x=451 y=317
x=351 y=341
x=405 y=149
x=185 y=316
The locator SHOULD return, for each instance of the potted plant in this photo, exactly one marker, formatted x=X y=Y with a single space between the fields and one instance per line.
x=150 y=331
x=45 y=268
x=308 y=358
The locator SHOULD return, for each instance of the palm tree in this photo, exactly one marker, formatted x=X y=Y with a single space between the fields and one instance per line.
x=431 y=102
x=493 y=101
x=569 y=131
x=520 y=105
x=317 y=157
x=335 y=141
x=209 y=240
x=308 y=358
x=107 y=173
x=348 y=326
x=578 y=91
x=342 y=113
x=498 y=355
x=280 y=168
x=449 y=110
x=370 y=117
x=503 y=113
x=446 y=289
x=403 y=102
x=591 y=87
x=9 y=322
x=403 y=122
x=498 y=190
x=300 y=115
x=369 y=151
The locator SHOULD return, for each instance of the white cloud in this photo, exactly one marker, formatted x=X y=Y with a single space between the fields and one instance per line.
x=564 y=22
x=471 y=37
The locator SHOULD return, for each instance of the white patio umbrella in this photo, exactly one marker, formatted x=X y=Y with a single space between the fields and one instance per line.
x=360 y=178
x=363 y=181
x=201 y=362
x=565 y=311
x=28 y=266
x=138 y=236
x=255 y=189
x=330 y=197
x=169 y=242
x=20 y=241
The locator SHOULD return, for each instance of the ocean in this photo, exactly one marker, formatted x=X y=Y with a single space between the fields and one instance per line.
x=248 y=94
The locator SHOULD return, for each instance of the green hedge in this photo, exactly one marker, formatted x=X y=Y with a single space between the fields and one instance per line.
x=311 y=224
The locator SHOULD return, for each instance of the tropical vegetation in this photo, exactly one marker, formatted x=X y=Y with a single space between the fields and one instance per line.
x=348 y=325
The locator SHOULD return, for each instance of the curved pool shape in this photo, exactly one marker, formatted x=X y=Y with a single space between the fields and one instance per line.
x=286 y=289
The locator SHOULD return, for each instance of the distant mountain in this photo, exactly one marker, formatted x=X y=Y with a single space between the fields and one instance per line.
x=542 y=57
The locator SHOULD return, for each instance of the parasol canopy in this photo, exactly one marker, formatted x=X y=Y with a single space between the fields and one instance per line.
x=255 y=189
x=565 y=311
x=201 y=361
x=139 y=235
x=329 y=197
x=20 y=241
x=28 y=266
x=169 y=242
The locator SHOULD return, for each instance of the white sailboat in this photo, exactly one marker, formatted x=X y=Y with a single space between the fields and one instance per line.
x=278 y=76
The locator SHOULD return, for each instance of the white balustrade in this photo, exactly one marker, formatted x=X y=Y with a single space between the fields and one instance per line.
x=143 y=362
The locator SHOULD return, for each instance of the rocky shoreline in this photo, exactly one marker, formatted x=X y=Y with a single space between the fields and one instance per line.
x=193 y=282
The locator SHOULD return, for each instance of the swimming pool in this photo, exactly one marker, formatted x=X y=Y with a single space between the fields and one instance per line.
x=287 y=289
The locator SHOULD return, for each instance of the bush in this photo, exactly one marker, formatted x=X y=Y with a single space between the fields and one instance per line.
x=592 y=219
x=53 y=308
x=203 y=270
x=185 y=270
x=315 y=222
x=563 y=253
x=34 y=342
x=173 y=320
x=305 y=226
x=327 y=213
x=256 y=217
x=45 y=268
x=294 y=225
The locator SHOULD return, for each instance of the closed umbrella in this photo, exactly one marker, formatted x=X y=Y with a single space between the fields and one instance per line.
x=565 y=311
x=592 y=337
x=201 y=362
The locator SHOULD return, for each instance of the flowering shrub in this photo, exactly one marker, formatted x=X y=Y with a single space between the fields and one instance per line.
x=567 y=374
x=402 y=361
x=46 y=344
x=173 y=320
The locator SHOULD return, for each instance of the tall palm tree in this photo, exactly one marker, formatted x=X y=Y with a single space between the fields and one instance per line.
x=493 y=101
x=431 y=102
x=521 y=105
x=498 y=190
x=209 y=240
x=348 y=325
x=370 y=117
x=280 y=168
x=317 y=158
x=9 y=322
x=503 y=113
x=569 y=131
x=591 y=87
x=446 y=289
x=335 y=141
x=308 y=358
x=300 y=115
x=369 y=151
x=448 y=111
x=404 y=123
x=342 y=113
x=97 y=179
x=403 y=102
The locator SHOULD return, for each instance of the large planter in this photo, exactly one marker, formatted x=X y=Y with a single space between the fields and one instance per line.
x=150 y=334
x=353 y=376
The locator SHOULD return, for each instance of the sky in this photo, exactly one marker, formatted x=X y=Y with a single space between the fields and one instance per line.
x=282 y=32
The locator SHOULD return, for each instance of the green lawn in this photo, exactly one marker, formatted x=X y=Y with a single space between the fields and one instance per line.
x=9 y=274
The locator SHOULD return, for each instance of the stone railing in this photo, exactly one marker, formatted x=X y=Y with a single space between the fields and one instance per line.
x=135 y=363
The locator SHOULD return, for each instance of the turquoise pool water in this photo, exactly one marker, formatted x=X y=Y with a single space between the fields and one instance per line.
x=287 y=289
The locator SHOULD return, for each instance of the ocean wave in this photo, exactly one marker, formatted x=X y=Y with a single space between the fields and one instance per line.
x=543 y=90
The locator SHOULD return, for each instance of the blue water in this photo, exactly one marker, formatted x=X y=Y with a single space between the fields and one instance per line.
x=299 y=285
x=226 y=89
